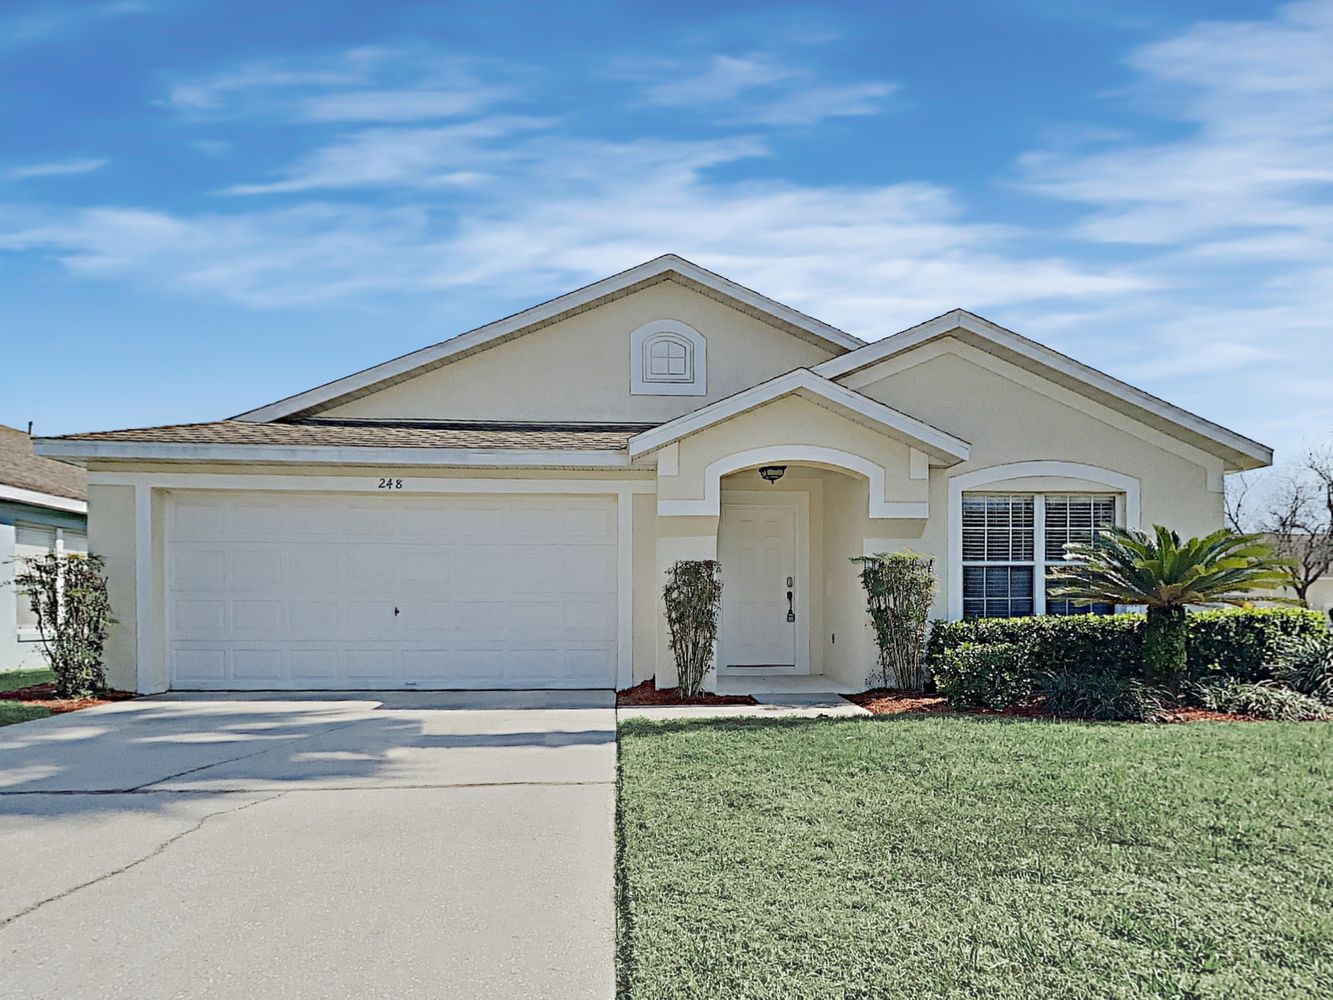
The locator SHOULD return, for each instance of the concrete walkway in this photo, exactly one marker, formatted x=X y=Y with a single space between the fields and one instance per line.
x=398 y=845
x=795 y=704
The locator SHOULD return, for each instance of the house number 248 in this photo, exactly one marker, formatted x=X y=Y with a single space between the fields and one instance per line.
x=389 y=484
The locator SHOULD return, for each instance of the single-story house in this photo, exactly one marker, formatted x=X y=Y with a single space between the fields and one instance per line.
x=499 y=510
x=43 y=508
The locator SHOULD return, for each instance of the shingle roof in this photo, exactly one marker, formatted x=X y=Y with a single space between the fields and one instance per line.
x=382 y=434
x=20 y=467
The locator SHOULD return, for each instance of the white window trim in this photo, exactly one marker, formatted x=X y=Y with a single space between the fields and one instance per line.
x=1098 y=480
x=32 y=634
x=641 y=380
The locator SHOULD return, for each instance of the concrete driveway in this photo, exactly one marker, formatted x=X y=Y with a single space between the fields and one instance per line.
x=354 y=845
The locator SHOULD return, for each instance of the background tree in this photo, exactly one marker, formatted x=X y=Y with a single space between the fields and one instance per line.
x=1166 y=575
x=1293 y=508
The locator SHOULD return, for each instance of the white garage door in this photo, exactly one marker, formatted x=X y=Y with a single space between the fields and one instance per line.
x=268 y=591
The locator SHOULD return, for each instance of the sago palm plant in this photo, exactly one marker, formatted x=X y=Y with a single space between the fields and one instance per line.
x=1166 y=575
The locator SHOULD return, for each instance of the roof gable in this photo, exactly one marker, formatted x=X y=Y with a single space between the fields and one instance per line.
x=668 y=267
x=1238 y=451
x=943 y=447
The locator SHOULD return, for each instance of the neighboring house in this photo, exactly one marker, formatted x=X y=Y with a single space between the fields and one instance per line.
x=498 y=510
x=43 y=508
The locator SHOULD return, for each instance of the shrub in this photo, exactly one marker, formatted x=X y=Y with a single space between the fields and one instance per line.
x=68 y=595
x=1267 y=700
x=1238 y=643
x=1305 y=664
x=693 y=597
x=899 y=587
x=1112 y=643
x=990 y=675
x=1244 y=643
x=1098 y=695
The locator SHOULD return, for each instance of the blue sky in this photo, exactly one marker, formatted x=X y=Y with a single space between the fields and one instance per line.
x=208 y=206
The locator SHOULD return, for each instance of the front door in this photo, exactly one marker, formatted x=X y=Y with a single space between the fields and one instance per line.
x=762 y=598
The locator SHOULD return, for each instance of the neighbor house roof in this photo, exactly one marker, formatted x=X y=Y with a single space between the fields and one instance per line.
x=27 y=478
x=1236 y=450
x=348 y=441
x=664 y=268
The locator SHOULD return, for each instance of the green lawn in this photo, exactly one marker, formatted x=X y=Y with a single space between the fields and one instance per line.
x=17 y=711
x=973 y=857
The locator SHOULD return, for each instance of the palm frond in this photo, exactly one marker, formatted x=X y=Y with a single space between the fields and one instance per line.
x=1128 y=566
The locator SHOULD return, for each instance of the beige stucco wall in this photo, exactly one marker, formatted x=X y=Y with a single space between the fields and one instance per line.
x=1011 y=416
x=579 y=368
x=1320 y=595
x=111 y=535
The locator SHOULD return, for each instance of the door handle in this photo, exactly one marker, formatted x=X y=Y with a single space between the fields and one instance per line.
x=791 y=611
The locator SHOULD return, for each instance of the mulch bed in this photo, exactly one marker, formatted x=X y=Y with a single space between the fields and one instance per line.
x=646 y=694
x=892 y=701
x=45 y=695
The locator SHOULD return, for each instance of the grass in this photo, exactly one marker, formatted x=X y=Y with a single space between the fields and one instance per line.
x=18 y=711
x=948 y=857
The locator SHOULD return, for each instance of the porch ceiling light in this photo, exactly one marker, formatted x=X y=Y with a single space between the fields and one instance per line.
x=772 y=473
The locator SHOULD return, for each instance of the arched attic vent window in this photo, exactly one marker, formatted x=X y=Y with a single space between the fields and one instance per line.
x=668 y=358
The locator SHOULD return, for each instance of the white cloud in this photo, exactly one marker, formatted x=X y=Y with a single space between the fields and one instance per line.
x=758 y=89
x=1233 y=217
x=58 y=168
x=369 y=84
x=557 y=214
x=49 y=19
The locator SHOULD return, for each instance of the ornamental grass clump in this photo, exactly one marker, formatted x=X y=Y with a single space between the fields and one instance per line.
x=693 y=597
x=1267 y=700
x=1305 y=664
x=899 y=587
x=68 y=595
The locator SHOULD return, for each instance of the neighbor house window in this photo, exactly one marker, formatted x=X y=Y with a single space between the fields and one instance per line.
x=33 y=541
x=1010 y=542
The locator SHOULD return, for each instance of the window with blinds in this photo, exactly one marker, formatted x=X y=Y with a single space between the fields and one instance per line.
x=1010 y=542
x=35 y=540
x=1074 y=519
x=999 y=555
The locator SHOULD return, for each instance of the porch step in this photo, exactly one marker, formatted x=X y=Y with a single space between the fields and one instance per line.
x=826 y=702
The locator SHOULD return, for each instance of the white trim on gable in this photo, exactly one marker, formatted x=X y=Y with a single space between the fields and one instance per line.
x=402 y=367
x=1093 y=475
x=945 y=448
x=1241 y=452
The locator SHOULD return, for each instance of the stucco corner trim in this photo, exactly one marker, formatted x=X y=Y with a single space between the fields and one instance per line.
x=827 y=458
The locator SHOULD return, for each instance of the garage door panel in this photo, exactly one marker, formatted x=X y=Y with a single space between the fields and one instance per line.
x=253 y=665
x=257 y=616
x=207 y=666
x=300 y=592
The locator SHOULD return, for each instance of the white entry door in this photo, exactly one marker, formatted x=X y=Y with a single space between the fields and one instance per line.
x=762 y=590
x=353 y=591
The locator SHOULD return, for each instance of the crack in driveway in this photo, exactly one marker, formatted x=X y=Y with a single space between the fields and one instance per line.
x=155 y=852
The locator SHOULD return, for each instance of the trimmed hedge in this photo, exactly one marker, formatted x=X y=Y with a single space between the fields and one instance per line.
x=1241 y=643
x=989 y=675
